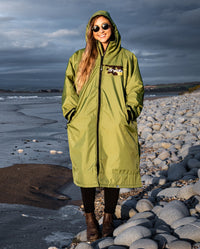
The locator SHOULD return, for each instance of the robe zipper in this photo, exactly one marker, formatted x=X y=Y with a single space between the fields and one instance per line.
x=98 y=113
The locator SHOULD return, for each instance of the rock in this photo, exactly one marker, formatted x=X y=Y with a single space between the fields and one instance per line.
x=157 y=161
x=106 y=243
x=197 y=156
x=156 y=126
x=193 y=171
x=173 y=211
x=193 y=163
x=125 y=190
x=199 y=173
x=82 y=236
x=156 y=210
x=117 y=247
x=195 y=121
x=132 y=212
x=169 y=192
x=193 y=211
x=162 y=229
x=131 y=234
x=178 y=144
x=176 y=133
x=166 y=145
x=197 y=208
x=147 y=179
x=179 y=244
x=162 y=180
x=186 y=192
x=144 y=244
x=157 y=137
x=142 y=222
x=124 y=212
x=196 y=188
x=164 y=155
x=84 y=246
x=148 y=215
x=164 y=239
x=176 y=172
x=183 y=221
x=144 y=205
x=188 y=177
x=189 y=231
x=130 y=202
x=184 y=151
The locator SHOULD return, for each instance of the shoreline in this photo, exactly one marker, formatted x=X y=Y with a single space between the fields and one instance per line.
x=169 y=137
x=66 y=188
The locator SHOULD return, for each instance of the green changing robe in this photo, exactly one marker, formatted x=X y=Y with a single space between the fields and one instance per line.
x=103 y=138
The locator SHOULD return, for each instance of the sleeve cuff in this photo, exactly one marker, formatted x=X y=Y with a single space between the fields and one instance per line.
x=131 y=113
x=70 y=114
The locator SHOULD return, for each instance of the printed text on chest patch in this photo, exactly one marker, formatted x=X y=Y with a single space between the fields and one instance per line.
x=115 y=70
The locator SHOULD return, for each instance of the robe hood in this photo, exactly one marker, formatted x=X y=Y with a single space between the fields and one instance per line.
x=114 y=44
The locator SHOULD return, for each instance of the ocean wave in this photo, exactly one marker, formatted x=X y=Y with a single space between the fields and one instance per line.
x=22 y=97
x=29 y=97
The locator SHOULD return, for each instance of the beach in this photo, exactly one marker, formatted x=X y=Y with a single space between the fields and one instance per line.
x=40 y=205
x=36 y=179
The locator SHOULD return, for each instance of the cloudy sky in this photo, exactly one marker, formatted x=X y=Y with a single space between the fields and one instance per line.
x=37 y=38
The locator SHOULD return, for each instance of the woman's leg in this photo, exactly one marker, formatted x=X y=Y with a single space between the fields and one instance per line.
x=111 y=196
x=88 y=197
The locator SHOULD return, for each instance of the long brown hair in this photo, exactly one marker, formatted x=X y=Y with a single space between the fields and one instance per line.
x=88 y=58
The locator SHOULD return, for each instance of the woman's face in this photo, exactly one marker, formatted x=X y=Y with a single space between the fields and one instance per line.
x=102 y=35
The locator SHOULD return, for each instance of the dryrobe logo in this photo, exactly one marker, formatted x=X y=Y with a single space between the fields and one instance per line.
x=115 y=70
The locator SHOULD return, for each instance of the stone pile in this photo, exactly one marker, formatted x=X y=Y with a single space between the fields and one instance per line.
x=168 y=214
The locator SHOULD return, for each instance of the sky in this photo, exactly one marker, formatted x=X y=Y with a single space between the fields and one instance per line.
x=37 y=38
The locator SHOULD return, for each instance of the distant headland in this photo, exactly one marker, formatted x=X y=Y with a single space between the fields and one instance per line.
x=158 y=88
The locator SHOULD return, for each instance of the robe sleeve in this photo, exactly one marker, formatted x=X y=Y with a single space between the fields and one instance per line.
x=134 y=91
x=69 y=95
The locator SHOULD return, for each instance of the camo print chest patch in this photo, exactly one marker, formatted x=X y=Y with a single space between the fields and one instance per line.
x=114 y=70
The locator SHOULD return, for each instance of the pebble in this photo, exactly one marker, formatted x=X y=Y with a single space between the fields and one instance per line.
x=167 y=214
x=117 y=247
x=164 y=239
x=20 y=151
x=189 y=231
x=144 y=205
x=173 y=211
x=186 y=192
x=179 y=244
x=52 y=152
x=176 y=172
x=84 y=246
x=193 y=163
x=196 y=188
x=141 y=221
x=106 y=243
x=183 y=221
x=144 y=243
x=131 y=234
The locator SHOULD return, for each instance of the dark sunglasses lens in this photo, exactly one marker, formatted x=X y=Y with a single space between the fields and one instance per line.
x=95 y=28
x=105 y=26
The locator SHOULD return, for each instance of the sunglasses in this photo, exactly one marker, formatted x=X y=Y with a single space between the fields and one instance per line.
x=104 y=26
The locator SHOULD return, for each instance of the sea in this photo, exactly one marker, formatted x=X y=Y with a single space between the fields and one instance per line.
x=16 y=96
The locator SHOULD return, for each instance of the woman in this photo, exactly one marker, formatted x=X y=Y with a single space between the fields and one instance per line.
x=102 y=97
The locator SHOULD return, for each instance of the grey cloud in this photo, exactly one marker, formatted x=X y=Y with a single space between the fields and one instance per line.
x=38 y=37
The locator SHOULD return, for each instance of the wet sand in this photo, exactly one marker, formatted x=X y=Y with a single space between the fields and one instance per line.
x=36 y=185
